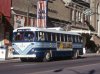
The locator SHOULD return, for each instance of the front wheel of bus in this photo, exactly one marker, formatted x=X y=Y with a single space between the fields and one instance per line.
x=47 y=57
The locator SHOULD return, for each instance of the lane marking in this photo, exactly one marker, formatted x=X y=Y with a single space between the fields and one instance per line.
x=42 y=72
x=25 y=65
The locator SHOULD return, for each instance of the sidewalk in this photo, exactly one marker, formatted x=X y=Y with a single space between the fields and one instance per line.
x=9 y=60
x=91 y=54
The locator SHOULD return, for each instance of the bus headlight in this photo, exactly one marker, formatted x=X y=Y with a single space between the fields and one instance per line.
x=32 y=50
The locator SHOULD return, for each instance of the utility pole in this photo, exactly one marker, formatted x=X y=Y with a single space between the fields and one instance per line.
x=27 y=12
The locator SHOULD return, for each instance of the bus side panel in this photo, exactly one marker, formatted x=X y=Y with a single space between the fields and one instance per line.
x=62 y=53
x=78 y=46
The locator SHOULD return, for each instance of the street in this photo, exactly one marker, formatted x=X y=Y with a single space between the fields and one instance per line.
x=87 y=65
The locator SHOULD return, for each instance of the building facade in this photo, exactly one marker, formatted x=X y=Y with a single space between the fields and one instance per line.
x=64 y=13
x=95 y=21
x=95 y=17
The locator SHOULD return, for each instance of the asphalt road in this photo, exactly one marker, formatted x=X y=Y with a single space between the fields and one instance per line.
x=90 y=65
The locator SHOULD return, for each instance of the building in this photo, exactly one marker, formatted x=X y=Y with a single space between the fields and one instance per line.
x=95 y=17
x=62 y=13
x=95 y=20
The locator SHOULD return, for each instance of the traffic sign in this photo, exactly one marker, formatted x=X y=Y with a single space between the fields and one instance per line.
x=88 y=12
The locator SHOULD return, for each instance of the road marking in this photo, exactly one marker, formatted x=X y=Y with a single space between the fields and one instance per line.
x=84 y=66
x=25 y=65
x=49 y=71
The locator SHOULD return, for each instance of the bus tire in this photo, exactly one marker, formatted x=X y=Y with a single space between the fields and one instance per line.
x=47 y=57
x=75 y=54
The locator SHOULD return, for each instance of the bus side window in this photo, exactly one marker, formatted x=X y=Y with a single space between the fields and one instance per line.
x=69 y=38
x=53 y=37
x=73 y=39
x=58 y=37
x=62 y=37
x=46 y=36
x=76 y=39
x=80 y=38
x=36 y=36
x=66 y=38
x=49 y=36
x=41 y=36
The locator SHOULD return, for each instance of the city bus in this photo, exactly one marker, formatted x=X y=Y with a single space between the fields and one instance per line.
x=45 y=44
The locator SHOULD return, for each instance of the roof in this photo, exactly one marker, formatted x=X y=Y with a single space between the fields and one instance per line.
x=46 y=30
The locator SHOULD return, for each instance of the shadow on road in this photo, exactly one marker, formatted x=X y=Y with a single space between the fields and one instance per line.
x=77 y=72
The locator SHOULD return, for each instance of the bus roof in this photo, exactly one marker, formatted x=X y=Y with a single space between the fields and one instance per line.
x=46 y=30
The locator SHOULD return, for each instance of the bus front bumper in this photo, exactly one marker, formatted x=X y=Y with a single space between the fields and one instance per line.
x=24 y=56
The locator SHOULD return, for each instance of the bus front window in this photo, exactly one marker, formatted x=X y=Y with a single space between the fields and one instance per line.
x=28 y=36
x=23 y=36
x=18 y=36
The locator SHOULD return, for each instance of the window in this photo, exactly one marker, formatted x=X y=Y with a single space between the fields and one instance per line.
x=80 y=38
x=62 y=37
x=73 y=39
x=49 y=36
x=23 y=36
x=46 y=36
x=76 y=39
x=69 y=38
x=41 y=36
x=28 y=36
x=58 y=37
x=66 y=36
x=53 y=37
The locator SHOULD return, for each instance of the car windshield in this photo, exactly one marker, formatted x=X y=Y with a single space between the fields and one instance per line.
x=23 y=36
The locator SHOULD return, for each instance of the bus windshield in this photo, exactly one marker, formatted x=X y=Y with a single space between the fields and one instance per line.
x=23 y=36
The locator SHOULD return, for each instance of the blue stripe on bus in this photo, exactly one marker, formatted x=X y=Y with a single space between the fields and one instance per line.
x=18 y=50
x=28 y=48
x=35 y=45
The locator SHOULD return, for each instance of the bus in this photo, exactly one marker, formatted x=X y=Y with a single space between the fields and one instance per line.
x=45 y=44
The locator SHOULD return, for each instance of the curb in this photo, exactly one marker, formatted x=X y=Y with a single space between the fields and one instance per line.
x=9 y=60
x=90 y=55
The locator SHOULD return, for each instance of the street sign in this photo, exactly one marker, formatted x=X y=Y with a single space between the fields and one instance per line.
x=88 y=12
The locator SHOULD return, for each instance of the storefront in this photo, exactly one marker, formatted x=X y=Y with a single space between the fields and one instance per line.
x=1 y=31
x=5 y=31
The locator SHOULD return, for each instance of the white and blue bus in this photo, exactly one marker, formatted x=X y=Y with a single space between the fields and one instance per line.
x=45 y=43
